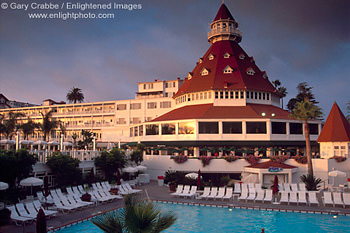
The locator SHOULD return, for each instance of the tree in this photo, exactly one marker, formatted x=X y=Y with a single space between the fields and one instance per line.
x=312 y=183
x=75 y=95
x=137 y=216
x=109 y=162
x=305 y=111
x=281 y=89
x=9 y=126
x=87 y=139
x=66 y=169
x=348 y=109
x=29 y=128
x=74 y=137
x=48 y=124
x=304 y=93
x=276 y=83
x=63 y=128
x=137 y=157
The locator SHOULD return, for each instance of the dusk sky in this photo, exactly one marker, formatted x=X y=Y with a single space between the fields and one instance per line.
x=294 y=41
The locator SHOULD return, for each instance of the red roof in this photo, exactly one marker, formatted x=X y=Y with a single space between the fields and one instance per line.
x=223 y=13
x=218 y=80
x=208 y=111
x=268 y=164
x=336 y=128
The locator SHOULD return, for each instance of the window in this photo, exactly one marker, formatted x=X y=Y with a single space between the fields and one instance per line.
x=313 y=128
x=278 y=127
x=151 y=105
x=135 y=106
x=242 y=95
x=121 y=121
x=259 y=95
x=201 y=95
x=211 y=57
x=248 y=94
x=189 y=75
x=256 y=127
x=208 y=127
x=232 y=127
x=204 y=72
x=216 y=95
x=141 y=130
x=209 y=95
x=267 y=96
x=236 y=94
x=227 y=55
x=241 y=56
x=135 y=120
x=256 y=95
x=250 y=71
x=205 y=95
x=296 y=128
x=168 y=129
x=231 y=94
x=221 y=94
x=200 y=60
x=165 y=104
x=136 y=131
x=148 y=86
x=186 y=128
x=263 y=96
x=226 y=94
x=152 y=129
x=132 y=132
x=228 y=70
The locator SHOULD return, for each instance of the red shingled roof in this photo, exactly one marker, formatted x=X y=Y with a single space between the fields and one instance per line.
x=268 y=164
x=208 y=111
x=336 y=128
x=217 y=79
x=223 y=13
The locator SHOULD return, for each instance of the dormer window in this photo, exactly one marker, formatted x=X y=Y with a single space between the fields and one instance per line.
x=250 y=71
x=211 y=57
x=241 y=56
x=227 y=55
x=252 y=59
x=200 y=60
x=189 y=75
x=228 y=70
x=265 y=75
x=204 y=72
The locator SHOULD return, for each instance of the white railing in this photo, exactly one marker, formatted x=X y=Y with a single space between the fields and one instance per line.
x=224 y=31
x=82 y=155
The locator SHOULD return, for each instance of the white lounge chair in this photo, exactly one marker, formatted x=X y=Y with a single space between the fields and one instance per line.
x=229 y=194
x=293 y=198
x=286 y=187
x=76 y=191
x=244 y=186
x=78 y=199
x=186 y=190
x=280 y=187
x=237 y=189
x=96 y=197
x=18 y=220
x=302 y=197
x=252 y=194
x=107 y=185
x=302 y=187
x=59 y=192
x=243 y=195
x=65 y=202
x=103 y=193
x=100 y=197
x=327 y=199
x=221 y=193
x=127 y=185
x=213 y=192
x=179 y=189
x=294 y=187
x=73 y=202
x=260 y=196
x=49 y=213
x=79 y=189
x=337 y=199
x=206 y=193
x=42 y=198
x=346 y=199
x=313 y=198
x=284 y=197
x=23 y=212
x=258 y=187
x=192 y=192
x=268 y=196
x=251 y=186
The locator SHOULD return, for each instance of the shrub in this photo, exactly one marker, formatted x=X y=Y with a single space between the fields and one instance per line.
x=109 y=162
x=279 y=158
x=180 y=158
x=339 y=158
x=205 y=160
x=252 y=159
x=231 y=158
x=300 y=159
x=137 y=157
x=172 y=177
x=311 y=182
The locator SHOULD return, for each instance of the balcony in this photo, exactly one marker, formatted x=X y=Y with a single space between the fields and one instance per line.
x=224 y=31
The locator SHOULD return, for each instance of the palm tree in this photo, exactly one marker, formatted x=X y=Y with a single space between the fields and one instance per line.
x=283 y=92
x=29 y=127
x=137 y=216
x=10 y=126
x=75 y=95
x=63 y=128
x=304 y=111
x=276 y=83
x=74 y=137
x=48 y=123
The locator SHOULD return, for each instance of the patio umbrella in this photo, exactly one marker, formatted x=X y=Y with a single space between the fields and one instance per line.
x=129 y=169
x=199 y=179
x=26 y=142
x=67 y=144
x=41 y=222
x=275 y=185
x=4 y=186
x=336 y=173
x=141 y=168
x=39 y=142
x=192 y=175
x=7 y=141
x=31 y=181
x=118 y=177
x=53 y=143
x=46 y=186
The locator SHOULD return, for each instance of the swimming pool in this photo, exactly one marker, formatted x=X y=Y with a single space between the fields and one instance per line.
x=215 y=219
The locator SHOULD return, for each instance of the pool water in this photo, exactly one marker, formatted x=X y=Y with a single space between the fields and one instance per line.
x=214 y=219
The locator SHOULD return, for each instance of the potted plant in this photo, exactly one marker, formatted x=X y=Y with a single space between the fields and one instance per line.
x=86 y=196
x=171 y=178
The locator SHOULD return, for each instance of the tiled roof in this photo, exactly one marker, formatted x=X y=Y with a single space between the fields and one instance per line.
x=208 y=111
x=268 y=164
x=218 y=80
x=223 y=13
x=336 y=128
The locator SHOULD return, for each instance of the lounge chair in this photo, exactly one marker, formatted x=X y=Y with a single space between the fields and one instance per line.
x=213 y=192
x=94 y=186
x=122 y=191
x=327 y=199
x=62 y=208
x=65 y=202
x=186 y=190
x=179 y=189
x=192 y=192
x=337 y=199
x=302 y=197
x=49 y=213
x=251 y=195
x=284 y=197
x=78 y=199
x=280 y=187
x=346 y=199
x=18 y=220
x=258 y=187
x=79 y=189
x=73 y=202
x=59 y=192
x=243 y=195
x=244 y=186
x=99 y=186
x=251 y=186
x=237 y=189
x=32 y=210
x=206 y=193
x=260 y=196
x=268 y=196
x=229 y=194
x=313 y=198
x=76 y=191
x=221 y=193
x=293 y=198
x=23 y=212
x=42 y=199
x=294 y=187
x=302 y=187
x=286 y=187
x=101 y=198
x=104 y=186
x=127 y=185
x=109 y=196
x=96 y=197
x=108 y=186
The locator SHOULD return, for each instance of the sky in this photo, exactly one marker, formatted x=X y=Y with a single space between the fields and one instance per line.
x=294 y=41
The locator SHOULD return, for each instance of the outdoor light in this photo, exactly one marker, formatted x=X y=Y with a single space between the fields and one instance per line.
x=263 y=114
x=273 y=114
x=229 y=209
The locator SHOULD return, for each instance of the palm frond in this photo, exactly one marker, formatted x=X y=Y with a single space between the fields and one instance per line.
x=108 y=222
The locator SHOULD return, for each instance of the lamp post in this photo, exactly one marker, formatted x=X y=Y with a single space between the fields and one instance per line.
x=17 y=140
x=94 y=144
x=61 y=146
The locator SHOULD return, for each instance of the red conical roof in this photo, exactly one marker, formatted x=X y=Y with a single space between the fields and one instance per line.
x=223 y=13
x=238 y=60
x=336 y=128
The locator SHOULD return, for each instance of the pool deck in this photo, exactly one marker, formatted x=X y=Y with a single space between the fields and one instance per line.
x=162 y=193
